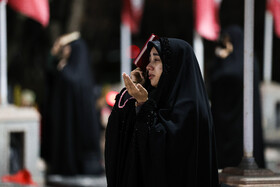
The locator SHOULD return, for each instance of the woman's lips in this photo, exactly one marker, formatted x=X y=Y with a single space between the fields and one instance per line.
x=151 y=76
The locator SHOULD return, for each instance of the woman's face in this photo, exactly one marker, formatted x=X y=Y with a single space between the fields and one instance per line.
x=154 y=67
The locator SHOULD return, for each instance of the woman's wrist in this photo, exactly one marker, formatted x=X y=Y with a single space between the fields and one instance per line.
x=139 y=103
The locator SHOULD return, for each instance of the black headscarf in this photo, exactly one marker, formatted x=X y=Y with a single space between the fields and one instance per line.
x=226 y=91
x=170 y=142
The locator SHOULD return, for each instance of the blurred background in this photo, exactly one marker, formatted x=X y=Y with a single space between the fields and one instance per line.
x=99 y=23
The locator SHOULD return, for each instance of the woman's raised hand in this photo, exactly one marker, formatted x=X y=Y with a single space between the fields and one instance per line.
x=137 y=76
x=136 y=90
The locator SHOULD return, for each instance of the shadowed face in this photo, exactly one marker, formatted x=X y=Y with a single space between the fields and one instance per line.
x=154 y=67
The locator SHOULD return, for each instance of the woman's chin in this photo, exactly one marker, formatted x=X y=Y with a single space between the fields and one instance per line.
x=153 y=85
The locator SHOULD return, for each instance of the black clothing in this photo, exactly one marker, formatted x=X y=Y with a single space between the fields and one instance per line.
x=226 y=93
x=71 y=131
x=170 y=142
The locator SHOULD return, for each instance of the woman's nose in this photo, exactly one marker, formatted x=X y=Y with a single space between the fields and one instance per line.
x=149 y=67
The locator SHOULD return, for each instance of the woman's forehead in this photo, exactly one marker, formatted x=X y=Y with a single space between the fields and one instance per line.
x=154 y=52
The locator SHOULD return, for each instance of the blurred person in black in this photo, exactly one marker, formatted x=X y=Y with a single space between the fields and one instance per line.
x=226 y=94
x=71 y=127
x=160 y=130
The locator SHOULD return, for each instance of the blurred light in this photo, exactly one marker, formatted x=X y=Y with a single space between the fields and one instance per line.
x=110 y=97
x=134 y=51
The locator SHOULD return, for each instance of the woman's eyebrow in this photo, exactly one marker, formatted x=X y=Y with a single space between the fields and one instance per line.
x=155 y=54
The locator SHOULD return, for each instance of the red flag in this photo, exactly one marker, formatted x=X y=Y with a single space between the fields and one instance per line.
x=274 y=7
x=206 y=18
x=35 y=9
x=131 y=15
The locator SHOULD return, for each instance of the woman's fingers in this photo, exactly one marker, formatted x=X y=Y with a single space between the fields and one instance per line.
x=137 y=76
x=130 y=86
x=142 y=89
x=125 y=79
x=143 y=94
x=136 y=91
x=134 y=76
x=140 y=72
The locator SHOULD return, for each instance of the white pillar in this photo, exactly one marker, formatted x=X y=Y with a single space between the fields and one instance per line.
x=199 y=51
x=125 y=50
x=268 y=47
x=3 y=54
x=248 y=77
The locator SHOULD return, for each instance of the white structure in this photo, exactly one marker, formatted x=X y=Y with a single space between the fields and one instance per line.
x=199 y=51
x=19 y=120
x=271 y=111
x=125 y=51
x=248 y=77
x=268 y=47
x=3 y=54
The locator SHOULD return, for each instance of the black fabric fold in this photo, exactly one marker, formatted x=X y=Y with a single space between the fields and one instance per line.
x=171 y=140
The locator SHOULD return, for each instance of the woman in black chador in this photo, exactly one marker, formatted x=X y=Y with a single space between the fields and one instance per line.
x=161 y=134
x=71 y=142
x=226 y=85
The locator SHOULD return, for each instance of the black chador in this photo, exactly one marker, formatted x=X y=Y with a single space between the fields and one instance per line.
x=226 y=93
x=170 y=141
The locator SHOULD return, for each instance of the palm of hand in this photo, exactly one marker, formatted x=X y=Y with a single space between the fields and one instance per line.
x=135 y=90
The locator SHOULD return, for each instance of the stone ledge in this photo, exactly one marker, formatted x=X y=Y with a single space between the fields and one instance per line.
x=76 y=181
x=14 y=113
x=250 y=181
